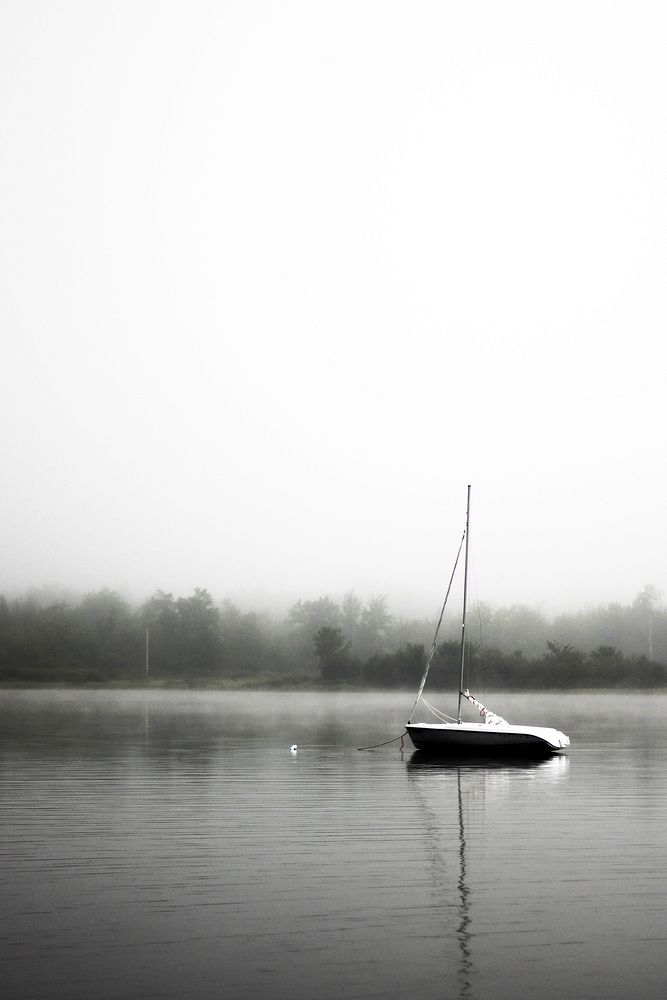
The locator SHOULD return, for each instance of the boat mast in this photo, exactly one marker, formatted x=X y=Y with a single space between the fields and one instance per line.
x=465 y=601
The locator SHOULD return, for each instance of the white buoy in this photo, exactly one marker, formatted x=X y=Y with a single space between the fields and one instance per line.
x=293 y=748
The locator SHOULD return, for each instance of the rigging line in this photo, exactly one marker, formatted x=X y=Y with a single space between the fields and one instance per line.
x=427 y=666
x=439 y=715
x=386 y=744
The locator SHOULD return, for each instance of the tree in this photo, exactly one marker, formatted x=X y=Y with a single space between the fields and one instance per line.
x=645 y=607
x=160 y=615
x=375 y=627
x=304 y=619
x=446 y=665
x=567 y=660
x=185 y=634
x=306 y=614
x=334 y=654
x=200 y=633
x=350 y=616
x=403 y=668
x=606 y=666
x=109 y=638
x=249 y=642
x=514 y=627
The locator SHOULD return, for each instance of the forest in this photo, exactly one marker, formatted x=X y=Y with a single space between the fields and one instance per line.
x=103 y=639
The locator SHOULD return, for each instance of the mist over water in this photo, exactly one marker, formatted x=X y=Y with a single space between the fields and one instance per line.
x=172 y=845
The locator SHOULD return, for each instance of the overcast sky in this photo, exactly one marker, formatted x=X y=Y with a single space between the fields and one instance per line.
x=280 y=279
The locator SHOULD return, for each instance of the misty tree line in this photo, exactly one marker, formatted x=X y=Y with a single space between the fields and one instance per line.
x=195 y=640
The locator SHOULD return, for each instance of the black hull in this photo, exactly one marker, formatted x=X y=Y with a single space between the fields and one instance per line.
x=478 y=754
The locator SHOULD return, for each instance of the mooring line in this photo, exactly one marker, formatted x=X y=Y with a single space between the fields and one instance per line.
x=376 y=745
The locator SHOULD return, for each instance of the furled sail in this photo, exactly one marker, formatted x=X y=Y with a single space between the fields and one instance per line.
x=490 y=718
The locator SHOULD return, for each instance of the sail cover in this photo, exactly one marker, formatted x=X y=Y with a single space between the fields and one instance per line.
x=490 y=718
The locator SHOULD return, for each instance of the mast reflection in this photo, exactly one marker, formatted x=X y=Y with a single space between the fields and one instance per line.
x=421 y=768
x=463 y=931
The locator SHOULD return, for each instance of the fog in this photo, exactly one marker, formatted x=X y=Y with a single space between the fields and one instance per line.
x=279 y=281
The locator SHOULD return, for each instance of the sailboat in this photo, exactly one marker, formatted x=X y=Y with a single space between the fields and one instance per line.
x=493 y=735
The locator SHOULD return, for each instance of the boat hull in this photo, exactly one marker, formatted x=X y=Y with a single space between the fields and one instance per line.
x=468 y=737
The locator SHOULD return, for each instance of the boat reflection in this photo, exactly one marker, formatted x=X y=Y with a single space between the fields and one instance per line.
x=477 y=782
x=548 y=766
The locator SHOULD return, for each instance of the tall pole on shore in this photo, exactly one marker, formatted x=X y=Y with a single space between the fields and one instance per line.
x=147 y=651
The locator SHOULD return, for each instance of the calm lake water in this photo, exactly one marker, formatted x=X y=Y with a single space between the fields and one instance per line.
x=171 y=845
